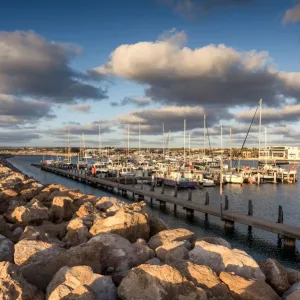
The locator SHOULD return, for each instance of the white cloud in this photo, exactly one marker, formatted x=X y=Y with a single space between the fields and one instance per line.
x=80 y=108
x=292 y=15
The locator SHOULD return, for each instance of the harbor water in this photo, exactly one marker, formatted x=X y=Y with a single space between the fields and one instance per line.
x=265 y=198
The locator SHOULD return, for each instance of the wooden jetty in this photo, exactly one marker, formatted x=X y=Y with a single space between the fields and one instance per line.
x=289 y=234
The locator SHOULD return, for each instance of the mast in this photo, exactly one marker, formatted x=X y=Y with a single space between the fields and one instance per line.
x=184 y=128
x=189 y=144
x=230 y=136
x=99 y=137
x=259 y=128
x=221 y=186
x=267 y=156
x=139 y=139
x=128 y=140
x=204 y=132
x=69 y=150
x=163 y=139
x=221 y=136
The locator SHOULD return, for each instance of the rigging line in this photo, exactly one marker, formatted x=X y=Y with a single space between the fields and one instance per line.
x=207 y=134
x=247 y=134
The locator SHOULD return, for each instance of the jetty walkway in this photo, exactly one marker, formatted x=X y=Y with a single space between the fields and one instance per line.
x=289 y=234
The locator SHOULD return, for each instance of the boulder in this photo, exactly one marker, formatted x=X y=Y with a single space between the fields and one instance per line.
x=153 y=261
x=170 y=235
x=220 y=258
x=81 y=293
x=129 y=224
x=77 y=233
x=6 y=249
x=29 y=194
x=62 y=208
x=293 y=276
x=13 y=286
x=173 y=251
x=293 y=293
x=205 y=278
x=67 y=279
x=215 y=241
x=86 y=209
x=108 y=203
x=33 y=212
x=158 y=283
x=248 y=289
x=4 y=226
x=276 y=275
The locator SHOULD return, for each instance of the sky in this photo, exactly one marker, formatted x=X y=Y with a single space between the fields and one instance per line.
x=86 y=66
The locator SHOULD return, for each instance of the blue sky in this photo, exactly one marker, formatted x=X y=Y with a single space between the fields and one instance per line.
x=100 y=27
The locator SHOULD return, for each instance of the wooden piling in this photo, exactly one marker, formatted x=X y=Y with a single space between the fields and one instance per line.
x=163 y=187
x=226 y=203
x=250 y=213
x=176 y=191
x=190 y=195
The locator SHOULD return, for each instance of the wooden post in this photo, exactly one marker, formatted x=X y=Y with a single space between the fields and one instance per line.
x=280 y=214
x=163 y=187
x=176 y=191
x=250 y=213
x=175 y=208
x=206 y=198
x=226 y=203
x=190 y=195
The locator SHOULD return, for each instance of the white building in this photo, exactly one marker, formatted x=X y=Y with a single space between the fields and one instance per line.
x=280 y=152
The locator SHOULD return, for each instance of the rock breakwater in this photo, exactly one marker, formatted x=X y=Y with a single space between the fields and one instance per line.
x=58 y=243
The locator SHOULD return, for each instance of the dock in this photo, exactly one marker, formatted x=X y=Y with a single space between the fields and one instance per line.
x=289 y=234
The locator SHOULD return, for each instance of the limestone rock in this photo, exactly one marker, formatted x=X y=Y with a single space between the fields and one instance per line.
x=29 y=194
x=157 y=225
x=4 y=226
x=243 y=289
x=150 y=282
x=276 y=275
x=220 y=258
x=14 y=287
x=129 y=224
x=67 y=280
x=33 y=212
x=154 y=261
x=77 y=233
x=6 y=249
x=86 y=209
x=293 y=293
x=215 y=241
x=173 y=251
x=62 y=208
x=170 y=235
x=205 y=278
x=108 y=203
x=81 y=293
x=293 y=276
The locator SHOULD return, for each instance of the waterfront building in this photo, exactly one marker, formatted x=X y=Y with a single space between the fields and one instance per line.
x=280 y=152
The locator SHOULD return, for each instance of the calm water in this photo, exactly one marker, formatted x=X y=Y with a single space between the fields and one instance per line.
x=266 y=198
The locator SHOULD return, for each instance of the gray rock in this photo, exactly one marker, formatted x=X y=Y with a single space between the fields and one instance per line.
x=6 y=249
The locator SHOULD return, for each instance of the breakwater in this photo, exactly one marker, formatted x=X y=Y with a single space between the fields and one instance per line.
x=101 y=248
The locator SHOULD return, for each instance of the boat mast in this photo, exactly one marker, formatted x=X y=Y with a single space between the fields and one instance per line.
x=163 y=139
x=69 y=150
x=259 y=128
x=128 y=140
x=189 y=144
x=184 y=128
x=230 y=134
x=204 y=135
x=221 y=136
x=267 y=156
x=139 y=139
x=99 y=137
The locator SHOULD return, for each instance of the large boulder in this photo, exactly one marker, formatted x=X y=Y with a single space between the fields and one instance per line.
x=293 y=276
x=29 y=194
x=205 y=278
x=109 y=205
x=220 y=258
x=77 y=233
x=159 y=283
x=129 y=224
x=173 y=251
x=62 y=208
x=14 y=287
x=33 y=212
x=293 y=293
x=276 y=275
x=6 y=249
x=215 y=241
x=81 y=293
x=86 y=209
x=170 y=235
x=248 y=289
x=67 y=279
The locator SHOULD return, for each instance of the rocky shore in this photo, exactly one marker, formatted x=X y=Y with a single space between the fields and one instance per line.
x=58 y=243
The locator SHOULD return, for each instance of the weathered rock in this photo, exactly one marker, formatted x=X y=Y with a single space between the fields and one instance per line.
x=293 y=276
x=67 y=279
x=129 y=224
x=33 y=212
x=30 y=251
x=215 y=241
x=29 y=194
x=173 y=251
x=77 y=233
x=62 y=208
x=276 y=275
x=81 y=293
x=6 y=249
x=158 y=283
x=205 y=278
x=154 y=261
x=220 y=258
x=293 y=293
x=86 y=209
x=170 y=235
x=157 y=225
x=4 y=226
x=106 y=203
x=243 y=289
x=14 y=287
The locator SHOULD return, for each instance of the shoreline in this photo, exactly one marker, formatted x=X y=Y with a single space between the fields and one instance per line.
x=88 y=234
